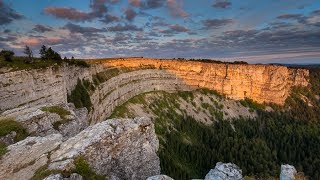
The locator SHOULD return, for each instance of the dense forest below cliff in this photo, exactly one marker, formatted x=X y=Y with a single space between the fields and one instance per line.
x=287 y=134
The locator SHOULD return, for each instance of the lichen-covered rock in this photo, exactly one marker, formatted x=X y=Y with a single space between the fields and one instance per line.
x=8 y=139
x=159 y=177
x=78 y=122
x=74 y=176
x=36 y=121
x=224 y=171
x=287 y=172
x=54 y=177
x=116 y=148
x=25 y=157
x=39 y=122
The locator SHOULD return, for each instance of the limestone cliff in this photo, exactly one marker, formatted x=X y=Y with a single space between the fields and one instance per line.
x=29 y=88
x=262 y=83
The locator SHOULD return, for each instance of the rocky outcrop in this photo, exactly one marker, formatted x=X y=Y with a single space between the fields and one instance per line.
x=116 y=148
x=25 y=157
x=73 y=176
x=262 y=83
x=288 y=172
x=159 y=177
x=224 y=171
x=39 y=122
x=8 y=139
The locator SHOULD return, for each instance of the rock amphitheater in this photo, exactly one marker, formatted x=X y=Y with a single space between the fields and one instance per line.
x=117 y=148
x=262 y=83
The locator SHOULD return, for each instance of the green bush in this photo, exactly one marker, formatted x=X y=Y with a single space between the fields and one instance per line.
x=44 y=172
x=102 y=77
x=186 y=95
x=58 y=110
x=80 y=96
x=7 y=55
x=207 y=91
x=252 y=104
x=9 y=125
x=80 y=63
x=3 y=149
x=81 y=167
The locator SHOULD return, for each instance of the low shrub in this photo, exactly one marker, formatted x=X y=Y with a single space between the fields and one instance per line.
x=61 y=112
x=58 y=110
x=9 y=125
x=80 y=63
x=80 y=96
x=83 y=168
x=3 y=149
x=252 y=104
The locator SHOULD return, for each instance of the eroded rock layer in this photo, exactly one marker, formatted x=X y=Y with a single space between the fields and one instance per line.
x=262 y=83
x=29 y=88
x=121 y=88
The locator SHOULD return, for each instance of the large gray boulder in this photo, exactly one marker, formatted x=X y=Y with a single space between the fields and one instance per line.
x=287 y=172
x=116 y=148
x=224 y=171
x=25 y=157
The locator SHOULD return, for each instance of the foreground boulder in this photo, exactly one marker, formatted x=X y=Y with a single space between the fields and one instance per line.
x=159 y=177
x=25 y=157
x=224 y=171
x=116 y=148
x=288 y=172
x=73 y=176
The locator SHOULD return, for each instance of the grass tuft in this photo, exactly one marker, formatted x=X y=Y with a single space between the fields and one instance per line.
x=8 y=125
x=61 y=112
x=83 y=168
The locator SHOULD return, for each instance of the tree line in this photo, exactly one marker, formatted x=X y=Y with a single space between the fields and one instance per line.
x=48 y=57
x=46 y=54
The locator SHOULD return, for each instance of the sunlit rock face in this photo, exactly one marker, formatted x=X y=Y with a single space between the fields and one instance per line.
x=262 y=83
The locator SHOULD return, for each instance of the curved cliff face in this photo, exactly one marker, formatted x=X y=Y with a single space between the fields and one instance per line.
x=121 y=88
x=262 y=83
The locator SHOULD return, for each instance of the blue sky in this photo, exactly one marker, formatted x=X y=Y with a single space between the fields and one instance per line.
x=257 y=31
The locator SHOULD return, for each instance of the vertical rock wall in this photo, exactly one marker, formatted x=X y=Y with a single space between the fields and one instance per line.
x=262 y=83
x=28 y=88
